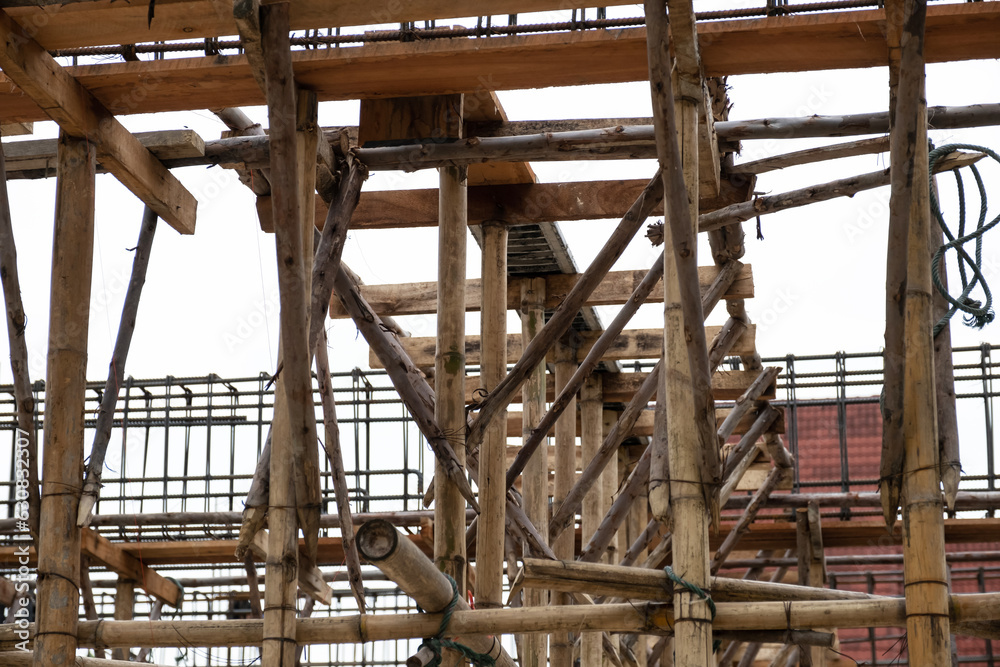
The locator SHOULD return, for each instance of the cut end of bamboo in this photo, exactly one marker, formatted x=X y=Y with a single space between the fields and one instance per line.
x=377 y=540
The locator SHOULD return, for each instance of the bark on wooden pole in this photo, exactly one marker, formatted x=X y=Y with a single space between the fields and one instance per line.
x=116 y=369
x=493 y=453
x=944 y=383
x=561 y=645
x=381 y=544
x=59 y=537
x=535 y=483
x=449 y=375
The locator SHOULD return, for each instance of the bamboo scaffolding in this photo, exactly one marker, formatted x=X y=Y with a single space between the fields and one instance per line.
x=611 y=481
x=17 y=322
x=648 y=618
x=563 y=317
x=561 y=645
x=59 y=537
x=492 y=490
x=116 y=369
x=811 y=155
x=944 y=384
x=592 y=500
x=87 y=597
x=757 y=503
x=124 y=605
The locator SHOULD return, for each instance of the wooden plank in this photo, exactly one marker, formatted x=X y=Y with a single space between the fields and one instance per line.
x=8 y=592
x=128 y=566
x=631 y=344
x=806 y=42
x=522 y=204
x=615 y=289
x=402 y=120
x=16 y=129
x=79 y=114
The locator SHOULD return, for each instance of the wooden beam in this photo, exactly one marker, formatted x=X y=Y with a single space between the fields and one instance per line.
x=128 y=566
x=805 y=42
x=631 y=344
x=615 y=289
x=59 y=537
x=80 y=114
x=40 y=154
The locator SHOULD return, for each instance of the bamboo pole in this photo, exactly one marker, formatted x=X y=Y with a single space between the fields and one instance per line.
x=810 y=155
x=535 y=484
x=601 y=545
x=659 y=468
x=116 y=369
x=649 y=618
x=449 y=376
x=336 y=459
x=17 y=322
x=592 y=502
x=561 y=645
x=924 y=566
x=87 y=596
x=492 y=490
x=124 y=601
x=611 y=482
x=59 y=538
x=563 y=317
x=944 y=384
x=757 y=503
x=288 y=490
x=379 y=542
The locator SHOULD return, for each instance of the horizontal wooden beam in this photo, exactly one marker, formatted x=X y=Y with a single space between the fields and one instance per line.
x=774 y=536
x=40 y=154
x=805 y=42
x=621 y=387
x=617 y=287
x=127 y=565
x=631 y=344
x=39 y=77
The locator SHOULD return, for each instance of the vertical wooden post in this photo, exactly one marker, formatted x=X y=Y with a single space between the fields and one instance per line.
x=124 y=609
x=493 y=456
x=449 y=374
x=925 y=571
x=292 y=484
x=535 y=481
x=592 y=511
x=58 y=591
x=610 y=483
x=561 y=648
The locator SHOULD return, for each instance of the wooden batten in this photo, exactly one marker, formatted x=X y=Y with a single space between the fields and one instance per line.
x=405 y=120
x=66 y=373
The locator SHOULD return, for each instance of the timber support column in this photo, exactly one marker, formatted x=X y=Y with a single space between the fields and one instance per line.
x=560 y=644
x=493 y=456
x=58 y=593
x=449 y=374
x=925 y=571
x=592 y=509
x=535 y=481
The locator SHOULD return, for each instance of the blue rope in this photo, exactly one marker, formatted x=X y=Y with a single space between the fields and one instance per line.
x=977 y=313
x=694 y=589
x=438 y=642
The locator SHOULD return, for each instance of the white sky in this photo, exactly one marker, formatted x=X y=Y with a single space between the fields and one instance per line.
x=210 y=299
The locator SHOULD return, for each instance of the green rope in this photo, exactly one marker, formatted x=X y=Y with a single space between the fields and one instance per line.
x=438 y=642
x=694 y=589
x=977 y=313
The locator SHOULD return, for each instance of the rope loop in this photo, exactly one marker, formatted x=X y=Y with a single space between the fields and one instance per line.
x=438 y=642
x=694 y=589
x=977 y=313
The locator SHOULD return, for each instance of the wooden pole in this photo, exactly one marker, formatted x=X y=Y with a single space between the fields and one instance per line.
x=561 y=645
x=944 y=383
x=382 y=545
x=124 y=605
x=924 y=567
x=66 y=373
x=535 y=484
x=492 y=459
x=592 y=502
x=116 y=369
x=336 y=459
x=289 y=491
x=17 y=321
x=449 y=374
x=87 y=595
x=757 y=503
